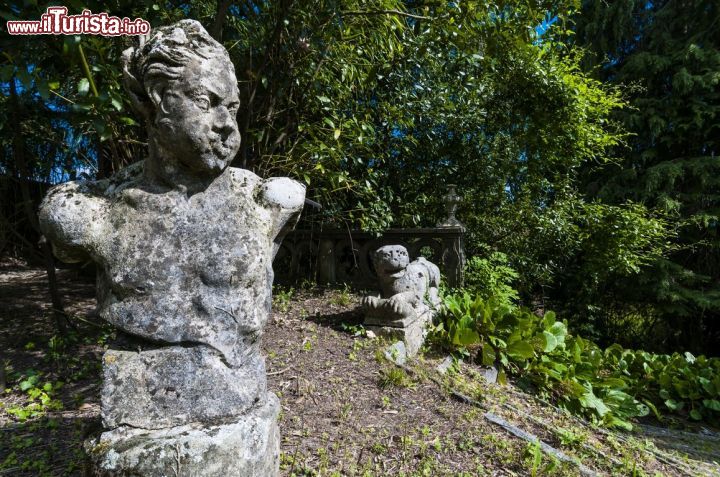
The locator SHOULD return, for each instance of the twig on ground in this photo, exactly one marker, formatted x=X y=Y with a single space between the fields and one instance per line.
x=77 y=317
x=275 y=373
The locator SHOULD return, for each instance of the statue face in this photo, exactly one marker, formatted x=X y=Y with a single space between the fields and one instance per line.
x=391 y=258
x=196 y=118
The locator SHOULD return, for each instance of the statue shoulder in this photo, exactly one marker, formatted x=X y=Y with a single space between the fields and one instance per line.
x=72 y=217
x=73 y=198
x=283 y=193
x=284 y=198
x=125 y=178
x=244 y=180
x=275 y=192
x=430 y=268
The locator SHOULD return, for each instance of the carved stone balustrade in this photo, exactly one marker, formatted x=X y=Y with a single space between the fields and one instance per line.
x=342 y=256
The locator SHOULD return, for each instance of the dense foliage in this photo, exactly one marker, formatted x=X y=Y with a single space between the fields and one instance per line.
x=666 y=56
x=610 y=385
x=572 y=198
x=347 y=96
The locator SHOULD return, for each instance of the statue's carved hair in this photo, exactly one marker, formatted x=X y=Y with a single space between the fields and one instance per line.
x=162 y=59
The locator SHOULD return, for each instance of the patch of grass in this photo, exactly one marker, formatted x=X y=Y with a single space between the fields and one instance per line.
x=394 y=377
x=345 y=411
x=379 y=355
x=378 y=449
x=341 y=297
x=282 y=298
x=307 y=343
x=572 y=438
x=307 y=284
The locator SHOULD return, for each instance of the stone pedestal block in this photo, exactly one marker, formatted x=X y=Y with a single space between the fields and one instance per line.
x=176 y=385
x=412 y=334
x=248 y=446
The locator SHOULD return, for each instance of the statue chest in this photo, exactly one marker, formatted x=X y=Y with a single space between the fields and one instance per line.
x=167 y=242
x=414 y=279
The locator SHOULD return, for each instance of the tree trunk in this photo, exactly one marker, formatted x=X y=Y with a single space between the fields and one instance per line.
x=217 y=26
x=59 y=315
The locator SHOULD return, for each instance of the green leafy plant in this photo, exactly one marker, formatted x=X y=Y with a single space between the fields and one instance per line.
x=341 y=297
x=506 y=336
x=355 y=330
x=608 y=386
x=282 y=297
x=570 y=437
x=491 y=276
x=396 y=377
x=534 y=455
x=40 y=395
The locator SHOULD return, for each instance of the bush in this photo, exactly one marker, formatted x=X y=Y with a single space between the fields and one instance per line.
x=491 y=277
x=607 y=386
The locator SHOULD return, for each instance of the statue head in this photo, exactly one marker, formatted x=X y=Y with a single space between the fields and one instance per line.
x=390 y=259
x=183 y=84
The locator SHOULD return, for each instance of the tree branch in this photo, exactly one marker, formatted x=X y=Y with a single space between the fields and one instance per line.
x=386 y=12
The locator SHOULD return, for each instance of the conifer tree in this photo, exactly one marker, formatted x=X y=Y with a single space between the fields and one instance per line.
x=667 y=55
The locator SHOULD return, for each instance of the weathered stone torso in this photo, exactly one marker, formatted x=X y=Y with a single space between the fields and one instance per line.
x=181 y=268
x=172 y=273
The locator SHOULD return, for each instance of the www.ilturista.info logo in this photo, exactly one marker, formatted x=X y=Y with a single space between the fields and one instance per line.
x=56 y=21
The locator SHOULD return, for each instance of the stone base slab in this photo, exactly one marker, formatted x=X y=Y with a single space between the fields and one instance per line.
x=413 y=335
x=249 y=446
x=177 y=385
x=381 y=320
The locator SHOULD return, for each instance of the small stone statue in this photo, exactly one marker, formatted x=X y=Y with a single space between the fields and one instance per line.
x=408 y=288
x=184 y=246
x=409 y=295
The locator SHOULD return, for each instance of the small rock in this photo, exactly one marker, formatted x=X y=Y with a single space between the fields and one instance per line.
x=370 y=334
x=490 y=374
x=396 y=353
x=443 y=367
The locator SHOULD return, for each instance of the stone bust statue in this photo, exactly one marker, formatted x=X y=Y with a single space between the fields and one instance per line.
x=184 y=246
x=184 y=242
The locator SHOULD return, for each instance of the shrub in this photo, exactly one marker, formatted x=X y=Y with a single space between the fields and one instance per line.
x=491 y=277
x=607 y=386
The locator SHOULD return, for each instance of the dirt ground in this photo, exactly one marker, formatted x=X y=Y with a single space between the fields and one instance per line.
x=346 y=410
